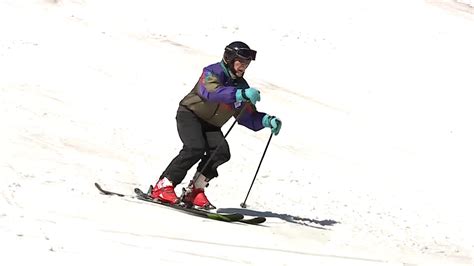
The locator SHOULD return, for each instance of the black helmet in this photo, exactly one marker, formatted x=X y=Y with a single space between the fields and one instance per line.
x=238 y=49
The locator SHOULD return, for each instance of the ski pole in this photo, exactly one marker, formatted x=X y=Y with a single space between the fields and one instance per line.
x=196 y=175
x=243 y=205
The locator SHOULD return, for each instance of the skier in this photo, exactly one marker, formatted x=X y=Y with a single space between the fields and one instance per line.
x=220 y=93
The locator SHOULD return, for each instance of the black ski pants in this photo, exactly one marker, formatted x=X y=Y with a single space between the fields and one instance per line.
x=200 y=140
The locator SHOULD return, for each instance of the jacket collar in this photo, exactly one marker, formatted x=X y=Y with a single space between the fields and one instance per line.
x=227 y=71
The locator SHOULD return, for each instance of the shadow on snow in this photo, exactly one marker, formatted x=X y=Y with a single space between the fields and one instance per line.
x=285 y=217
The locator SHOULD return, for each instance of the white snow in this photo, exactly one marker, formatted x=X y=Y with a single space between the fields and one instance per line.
x=372 y=165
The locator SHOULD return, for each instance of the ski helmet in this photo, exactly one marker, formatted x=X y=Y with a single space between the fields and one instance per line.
x=238 y=49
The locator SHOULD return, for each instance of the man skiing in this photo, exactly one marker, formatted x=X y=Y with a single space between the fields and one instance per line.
x=220 y=93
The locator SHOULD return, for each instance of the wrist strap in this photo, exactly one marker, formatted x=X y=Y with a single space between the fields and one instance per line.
x=245 y=95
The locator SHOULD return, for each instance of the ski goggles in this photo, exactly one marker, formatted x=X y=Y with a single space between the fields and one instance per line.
x=244 y=53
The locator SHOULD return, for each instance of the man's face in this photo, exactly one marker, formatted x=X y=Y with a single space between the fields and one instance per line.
x=240 y=65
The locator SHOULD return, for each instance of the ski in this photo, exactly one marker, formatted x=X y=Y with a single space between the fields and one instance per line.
x=232 y=217
x=225 y=217
x=106 y=192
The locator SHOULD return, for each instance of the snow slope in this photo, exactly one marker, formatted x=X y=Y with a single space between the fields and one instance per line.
x=371 y=167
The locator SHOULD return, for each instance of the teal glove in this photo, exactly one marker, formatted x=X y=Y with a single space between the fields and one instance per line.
x=247 y=95
x=272 y=122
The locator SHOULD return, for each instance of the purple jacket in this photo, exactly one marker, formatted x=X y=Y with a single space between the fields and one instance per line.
x=213 y=99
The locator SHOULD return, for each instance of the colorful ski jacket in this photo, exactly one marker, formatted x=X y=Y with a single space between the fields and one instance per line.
x=213 y=99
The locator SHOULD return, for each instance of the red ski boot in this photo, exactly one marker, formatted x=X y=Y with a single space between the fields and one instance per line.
x=164 y=191
x=194 y=194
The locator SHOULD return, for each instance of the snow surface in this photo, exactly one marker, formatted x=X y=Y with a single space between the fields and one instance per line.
x=372 y=166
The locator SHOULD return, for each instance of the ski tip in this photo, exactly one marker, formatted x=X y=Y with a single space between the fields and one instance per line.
x=106 y=192
x=100 y=188
x=255 y=220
